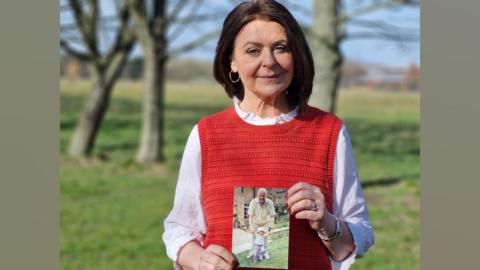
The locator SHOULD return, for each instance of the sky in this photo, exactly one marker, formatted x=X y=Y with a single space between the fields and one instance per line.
x=382 y=52
x=387 y=52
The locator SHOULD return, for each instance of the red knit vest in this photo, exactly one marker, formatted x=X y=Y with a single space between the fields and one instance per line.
x=236 y=153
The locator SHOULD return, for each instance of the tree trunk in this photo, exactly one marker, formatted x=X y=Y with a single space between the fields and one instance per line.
x=152 y=137
x=105 y=77
x=92 y=115
x=325 y=43
x=106 y=69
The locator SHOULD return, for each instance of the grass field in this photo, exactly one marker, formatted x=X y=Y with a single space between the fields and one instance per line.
x=112 y=209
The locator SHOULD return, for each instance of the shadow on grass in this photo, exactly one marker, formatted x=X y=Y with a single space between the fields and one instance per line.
x=395 y=138
x=124 y=146
x=120 y=130
x=67 y=124
x=121 y=127
x=380 y=182
x=390 y=181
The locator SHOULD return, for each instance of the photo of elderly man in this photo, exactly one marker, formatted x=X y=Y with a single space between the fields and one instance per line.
x=261 y=213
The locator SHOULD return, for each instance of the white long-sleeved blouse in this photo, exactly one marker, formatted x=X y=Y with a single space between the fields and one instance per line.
x=186 y=220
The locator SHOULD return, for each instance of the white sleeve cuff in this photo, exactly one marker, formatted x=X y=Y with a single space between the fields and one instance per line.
x=362 y=237
x=175 y=247
x=176 y=244
x=361 y=243
x=345 y=264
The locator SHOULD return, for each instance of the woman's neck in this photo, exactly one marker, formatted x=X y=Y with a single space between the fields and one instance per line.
x=265 y=108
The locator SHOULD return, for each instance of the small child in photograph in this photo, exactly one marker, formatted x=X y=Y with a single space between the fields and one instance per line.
x=259 y=251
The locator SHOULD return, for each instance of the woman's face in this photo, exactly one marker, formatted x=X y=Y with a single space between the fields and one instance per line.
x=263 y=59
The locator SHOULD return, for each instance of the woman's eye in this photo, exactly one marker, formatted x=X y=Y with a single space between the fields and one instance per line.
x=253 y=51
x=281 y=48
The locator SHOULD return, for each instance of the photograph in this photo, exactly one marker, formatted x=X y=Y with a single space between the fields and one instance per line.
x=260 y=227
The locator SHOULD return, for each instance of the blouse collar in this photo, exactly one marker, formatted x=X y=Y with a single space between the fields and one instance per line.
x=254 y=119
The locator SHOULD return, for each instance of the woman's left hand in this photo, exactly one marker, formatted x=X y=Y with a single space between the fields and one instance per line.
x=306 y=201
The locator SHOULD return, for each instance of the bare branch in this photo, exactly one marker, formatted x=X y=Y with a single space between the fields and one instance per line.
x=82 y=56
x=116 y=61
x=68 y=27
x=194 y=43
x=384 y=36
x=378 y=5
x=176 y=10
x=73 y=39
x=78 y=14
x=382 y=25
x=189 y=18
x=109 y=18
x=199 y=17
x=103 y=23
x=73 y=31
x=124 y=38
x=84 y=26
x=291 y=5
x=88 y=25
x=139 y=13
x=157 y=23
x=92 y=17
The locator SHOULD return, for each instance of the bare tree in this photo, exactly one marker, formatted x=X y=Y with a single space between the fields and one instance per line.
x=328 y=32
x=106 y=67
x=151 y=22
x=150 y=25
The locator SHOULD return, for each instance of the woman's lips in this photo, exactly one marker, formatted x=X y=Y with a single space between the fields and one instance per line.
x=274 y=76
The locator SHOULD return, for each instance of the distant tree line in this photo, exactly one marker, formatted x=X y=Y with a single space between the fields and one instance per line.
x=353 y=73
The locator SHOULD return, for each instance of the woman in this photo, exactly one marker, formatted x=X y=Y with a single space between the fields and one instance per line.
x=272 y=138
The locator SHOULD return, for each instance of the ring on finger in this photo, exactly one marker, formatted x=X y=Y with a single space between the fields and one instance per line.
x=314 y=206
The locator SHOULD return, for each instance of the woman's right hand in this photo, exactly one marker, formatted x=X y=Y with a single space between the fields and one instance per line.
x=216 y=257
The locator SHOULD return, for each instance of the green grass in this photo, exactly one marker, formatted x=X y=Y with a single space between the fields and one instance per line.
x=112 y=209
x=384 y=128
x=276 y=250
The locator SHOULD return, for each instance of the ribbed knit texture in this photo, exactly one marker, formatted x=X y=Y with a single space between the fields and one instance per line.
x=236 y=153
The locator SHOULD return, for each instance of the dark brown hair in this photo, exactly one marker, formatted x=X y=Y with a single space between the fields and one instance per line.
x=300 y=88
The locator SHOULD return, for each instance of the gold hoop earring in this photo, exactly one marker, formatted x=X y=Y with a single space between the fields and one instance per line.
x=231 y=79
